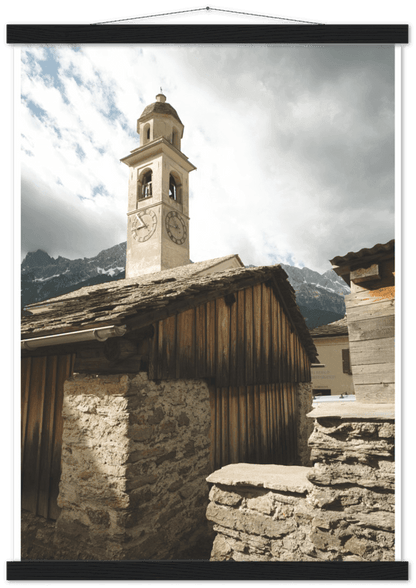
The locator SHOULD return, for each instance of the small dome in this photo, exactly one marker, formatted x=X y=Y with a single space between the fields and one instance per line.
x=160 y=107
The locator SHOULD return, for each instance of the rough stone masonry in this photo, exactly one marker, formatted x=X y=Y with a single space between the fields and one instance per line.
x=342 y=508
x=134 y=462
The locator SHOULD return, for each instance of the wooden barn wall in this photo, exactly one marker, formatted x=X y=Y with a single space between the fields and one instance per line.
x=242 y=339
x=372 y=344
x=254 y=424
x=42 y=381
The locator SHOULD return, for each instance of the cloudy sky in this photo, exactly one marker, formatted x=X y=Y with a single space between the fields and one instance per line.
x=294 y=146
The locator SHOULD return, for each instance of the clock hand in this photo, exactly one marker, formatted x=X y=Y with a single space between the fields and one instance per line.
x=142 y=223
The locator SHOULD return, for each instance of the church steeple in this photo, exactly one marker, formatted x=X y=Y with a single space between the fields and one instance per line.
x=158 y=201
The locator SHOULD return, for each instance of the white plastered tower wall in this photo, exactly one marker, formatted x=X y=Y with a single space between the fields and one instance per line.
x=158 y=194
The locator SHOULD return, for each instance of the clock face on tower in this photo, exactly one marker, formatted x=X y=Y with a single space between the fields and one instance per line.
x=176 y=227
x=143 y=224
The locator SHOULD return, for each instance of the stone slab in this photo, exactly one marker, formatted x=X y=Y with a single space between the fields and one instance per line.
x=353 y=410
x=274 y=477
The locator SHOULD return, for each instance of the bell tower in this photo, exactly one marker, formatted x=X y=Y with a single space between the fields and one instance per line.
x=158 y=198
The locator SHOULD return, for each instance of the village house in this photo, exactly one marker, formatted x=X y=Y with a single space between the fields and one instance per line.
x=134 y=391
x=332 y=344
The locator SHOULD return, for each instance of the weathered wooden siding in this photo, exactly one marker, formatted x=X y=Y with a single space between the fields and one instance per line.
x=240 y=340
x=253 y=424
x=41 y=434
x=371 y=334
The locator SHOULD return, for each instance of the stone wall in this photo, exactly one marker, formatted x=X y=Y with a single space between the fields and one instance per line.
x=37 y=535
x=342 y=508
x=305 y=424
x=135 y=455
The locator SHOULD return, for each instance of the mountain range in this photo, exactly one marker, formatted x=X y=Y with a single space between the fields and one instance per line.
x=320 y=297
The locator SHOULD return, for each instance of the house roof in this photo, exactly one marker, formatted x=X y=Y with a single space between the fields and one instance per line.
x=138 y=302
x=363 y=253
x=337 y=328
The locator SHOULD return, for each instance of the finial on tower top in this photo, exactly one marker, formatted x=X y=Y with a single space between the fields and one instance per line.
x=161 y=97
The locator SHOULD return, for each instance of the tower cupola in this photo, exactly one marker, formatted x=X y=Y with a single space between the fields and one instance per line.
x=160 y=119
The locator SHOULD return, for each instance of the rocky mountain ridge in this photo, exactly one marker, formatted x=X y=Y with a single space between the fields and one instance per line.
x=320 y=296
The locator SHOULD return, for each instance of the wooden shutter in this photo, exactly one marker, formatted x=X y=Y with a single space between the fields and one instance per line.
x=346 y=364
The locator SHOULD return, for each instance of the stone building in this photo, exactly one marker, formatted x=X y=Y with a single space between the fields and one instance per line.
x=134 y=391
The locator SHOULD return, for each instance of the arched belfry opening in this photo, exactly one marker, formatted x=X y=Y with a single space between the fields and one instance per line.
x=144 y=185
x=146 y=134
x=175 y=188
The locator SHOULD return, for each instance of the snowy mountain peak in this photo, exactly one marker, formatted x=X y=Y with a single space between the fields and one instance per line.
x=329 y=280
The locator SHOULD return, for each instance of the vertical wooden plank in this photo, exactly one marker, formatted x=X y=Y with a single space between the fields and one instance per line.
x=31 y=458
x=241 y=341
x=167 y=348
x=287 y=433
x=223 y=343
x=283 y=422
x=159 y=363
x=283 y=344
x=291 y=354
x=225 y=426
x=185 y=351
x=275 y=336
x=257 y=422
x=249 y=336
x=307 y=376
x=257 y=333
x=263 y=424
x=47 y=436
x=300 y=359
x=211 y=339
x=201 y=341
x=295 y=358
x=251 y=425
x=243 y=420
x=233 y=343
x=295 y=422
x=153 y=354
x=277 y=444
x=234 y=424
x=213 y=429
x=64 y=371
x=219 y=428
x=25 y=387
x=270 y=423
x=266 y=357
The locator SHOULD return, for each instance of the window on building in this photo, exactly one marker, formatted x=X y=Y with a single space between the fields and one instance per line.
x=321 y=392
x=346 y=364
x=147 y=185
x=148 y=134
x=173 y=190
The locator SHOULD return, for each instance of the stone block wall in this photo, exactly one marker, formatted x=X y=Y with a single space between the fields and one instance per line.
x=135 y=455
x=305 y=424
x=342 y=508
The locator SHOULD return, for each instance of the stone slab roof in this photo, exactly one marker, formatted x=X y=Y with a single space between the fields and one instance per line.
x=148 y=298
x=363 y=253
x=337 y=328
